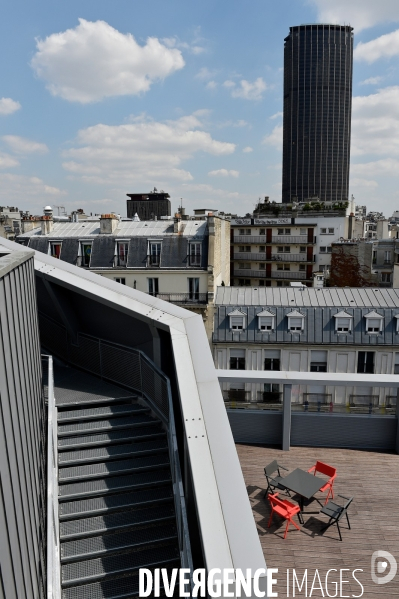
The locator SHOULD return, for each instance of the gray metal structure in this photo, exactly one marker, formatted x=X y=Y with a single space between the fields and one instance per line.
x=23 y=430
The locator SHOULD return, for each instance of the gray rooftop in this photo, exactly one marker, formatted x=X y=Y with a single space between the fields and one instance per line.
x=84 y=229
x=308 y=297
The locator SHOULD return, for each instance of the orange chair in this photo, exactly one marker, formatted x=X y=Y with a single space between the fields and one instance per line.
x=321 y=468
x=285 y=509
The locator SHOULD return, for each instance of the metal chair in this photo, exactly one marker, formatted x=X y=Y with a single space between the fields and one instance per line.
x=274 y=482
x=335 y=512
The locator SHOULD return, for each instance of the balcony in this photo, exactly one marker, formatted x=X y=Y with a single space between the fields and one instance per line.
x=183 y=298
x=300 y=239
x=255 y=257
x=249 y=239
x=275 y=274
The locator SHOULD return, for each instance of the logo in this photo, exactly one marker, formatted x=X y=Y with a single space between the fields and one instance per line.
x=379 y=564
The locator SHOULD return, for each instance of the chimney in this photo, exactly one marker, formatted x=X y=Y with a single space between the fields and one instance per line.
x=108 y=223
x=176 y=223
x=46 y=223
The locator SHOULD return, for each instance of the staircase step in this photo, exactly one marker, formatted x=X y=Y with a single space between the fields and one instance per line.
x=121 y=587
x=113 y=484
x=136 y=434
x=102 y=567
x=113 y=468
x=82 y=428
x=87 y=527
x=100 y=454
x=82 y=549
x=69 y=510
x=86 y=400
x=100 y=412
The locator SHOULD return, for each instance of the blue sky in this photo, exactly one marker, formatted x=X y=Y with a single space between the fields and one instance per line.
x=99 y=99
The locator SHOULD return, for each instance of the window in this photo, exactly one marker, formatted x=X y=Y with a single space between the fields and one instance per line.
x=261 y=283
x=271 y=388
x=247 y=231
x=55 y=250
x=244 y=248
x=272 y=359
x=318 y=361
x=237 y=359
x=122 y=248
x=303 y=232
x=387 y=257
x=262 y=266
x=396 y=365
x=374 y=256
x=365 y=362
x=245 y=265
x=280 y=231
x=343 y=324
x=386 y=277
x=331 y=230
x=120 y=280
x=155 y=253
x=302 y=267
x=302 y=249
x=296 y=321
x=262 y=248
x=193 y=288
x=237 y=320
x=323 y=231
x=86 y=254
x=323 y=249
x=153 y=286
x=283 y=267
x=266 y=320
x=244 y=282
x=195 y=254
x=280 y=249
x=329 y=249
x=242 y=232
x=287 y=231
x=374 y=322
x=262 y=231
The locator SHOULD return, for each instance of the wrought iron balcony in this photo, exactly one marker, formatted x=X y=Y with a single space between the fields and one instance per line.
x=183 y=298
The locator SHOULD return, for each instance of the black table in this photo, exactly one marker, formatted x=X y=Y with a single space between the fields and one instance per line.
x=304 y=484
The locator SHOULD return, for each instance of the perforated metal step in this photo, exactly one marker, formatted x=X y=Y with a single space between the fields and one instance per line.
x=113 y=484
x=100 y=412
x=128 y=519
x=139 y=433
x=112 y=468
x=123 y=587
x=115 y=542
x=78 y=428
x=110 y=503
x=112 y=452
x=102 y=567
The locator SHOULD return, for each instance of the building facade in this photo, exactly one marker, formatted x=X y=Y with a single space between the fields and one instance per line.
x=317 y=112
x=309 y=330
x=181 y=261
x=148 y=205
x=274 y=252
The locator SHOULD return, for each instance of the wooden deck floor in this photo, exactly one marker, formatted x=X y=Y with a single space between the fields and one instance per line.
x=372 y=478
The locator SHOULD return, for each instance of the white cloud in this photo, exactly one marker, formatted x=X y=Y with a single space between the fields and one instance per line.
x=372 y=81
x=237 y=124
x=8 y=106
x=21 y=145
x=7 y=161
x=247 y=90
x=384 y=46
x=222 y=172
x=95 y=61
x=361 y=14
x=145 y=151
x=363 y=183
x=17 y=188
x=375 y=123
x=193 y=47
x=208 y=190
x=211 y=85
x=277 y=115
x=386 y=166
x=275 y=138
x=204 y=73
x=248 y=149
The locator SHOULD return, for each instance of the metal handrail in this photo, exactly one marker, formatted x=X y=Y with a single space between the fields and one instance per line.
x=147 y=379
x=53 y=530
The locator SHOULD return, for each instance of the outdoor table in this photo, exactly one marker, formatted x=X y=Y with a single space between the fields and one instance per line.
x=304 y=484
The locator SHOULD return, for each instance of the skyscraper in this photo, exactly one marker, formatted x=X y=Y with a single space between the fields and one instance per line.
x=317 y=112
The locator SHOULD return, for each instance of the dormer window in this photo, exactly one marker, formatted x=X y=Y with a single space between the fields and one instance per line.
x=237 y=320
x=343 y=322
x=296 y=322
x=154 y=253
x=55 y=249
x=122 y=249
x=266 y=321
x=195 y=253
x=397 y=323
x=374 y=322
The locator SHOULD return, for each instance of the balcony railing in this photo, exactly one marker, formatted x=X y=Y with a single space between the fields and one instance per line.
x=301 y=239
x=363 y=400
x=120 y=261
x=236 y=395
x=254 y=257
x=183 y=298
x=249 y=239
x=275 y=274
x=270 y=397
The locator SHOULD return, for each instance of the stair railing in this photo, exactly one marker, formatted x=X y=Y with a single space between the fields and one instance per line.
x=53 y=529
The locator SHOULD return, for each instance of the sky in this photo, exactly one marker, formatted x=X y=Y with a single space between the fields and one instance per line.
x=99 y=99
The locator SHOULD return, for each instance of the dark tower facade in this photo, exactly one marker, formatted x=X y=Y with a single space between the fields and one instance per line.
x=318 y=63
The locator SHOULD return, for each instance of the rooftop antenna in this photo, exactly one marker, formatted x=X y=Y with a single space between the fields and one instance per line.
x=60 y=208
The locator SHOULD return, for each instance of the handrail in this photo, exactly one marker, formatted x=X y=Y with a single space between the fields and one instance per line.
x=53 y=531
x=144 y=377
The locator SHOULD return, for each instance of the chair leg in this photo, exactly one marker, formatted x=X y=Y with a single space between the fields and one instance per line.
x=327 y=525
x=270 y=519
x=347 y=519
x=294 y=523
x=339 y=530
x=286 y=528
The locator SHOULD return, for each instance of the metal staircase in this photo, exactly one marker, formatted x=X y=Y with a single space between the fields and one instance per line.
x=116 y=504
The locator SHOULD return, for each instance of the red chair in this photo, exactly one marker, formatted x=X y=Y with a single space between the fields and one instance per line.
x=321 y=468
x=285 y=509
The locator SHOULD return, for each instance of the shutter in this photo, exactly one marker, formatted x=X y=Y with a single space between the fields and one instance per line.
x=275 y=354
x=343 y=323
x=237 y=321
x=237 y=353
x=373 y=323
x=318 y=356
x=265 y=322
x=295 y=322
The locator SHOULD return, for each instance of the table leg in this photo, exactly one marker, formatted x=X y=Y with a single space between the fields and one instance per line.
x=300 y=516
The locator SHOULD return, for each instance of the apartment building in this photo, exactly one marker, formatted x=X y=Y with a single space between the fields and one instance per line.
x=180 y=261
x=275 y=251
